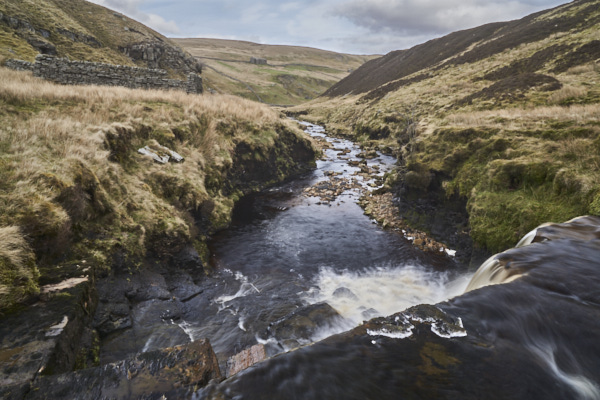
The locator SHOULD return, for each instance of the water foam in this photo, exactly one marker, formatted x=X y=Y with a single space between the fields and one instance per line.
x=245 y=289
x=382 y=291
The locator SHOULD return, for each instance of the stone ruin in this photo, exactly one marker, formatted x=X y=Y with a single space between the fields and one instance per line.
x=64 y=71
x=258 y=61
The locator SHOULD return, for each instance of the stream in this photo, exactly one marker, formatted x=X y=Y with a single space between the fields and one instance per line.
x=344 y=309
x=291 y=253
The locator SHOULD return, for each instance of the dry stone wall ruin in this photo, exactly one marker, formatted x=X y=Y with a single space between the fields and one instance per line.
x=64 y=71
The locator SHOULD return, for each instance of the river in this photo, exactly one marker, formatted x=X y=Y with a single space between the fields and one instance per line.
x=287 y=250
x=534 y=336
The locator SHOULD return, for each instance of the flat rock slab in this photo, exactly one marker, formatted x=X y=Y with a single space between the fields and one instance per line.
x=245 y=359
x=44 y=337
x=166 y=373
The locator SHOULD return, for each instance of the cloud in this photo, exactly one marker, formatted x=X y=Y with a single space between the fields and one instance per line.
x=433 y=17
x=132 y=8
x=347 y=26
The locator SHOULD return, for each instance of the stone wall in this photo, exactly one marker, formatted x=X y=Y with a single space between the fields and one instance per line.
x=64 y=71
x=19 y=65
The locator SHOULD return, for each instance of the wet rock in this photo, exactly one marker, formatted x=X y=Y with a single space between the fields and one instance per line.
x=370 y=313
x=328 y=191
x=112 y=317
x=245 y=359
x=532 y=338
x=300 y=326
x=444 y=217
x=343 y=292
x=401 y=325
x=44 y=338
x=167 y=373
x=368 y=154
x=332 y=173
x=188 y=259
x=156 y=335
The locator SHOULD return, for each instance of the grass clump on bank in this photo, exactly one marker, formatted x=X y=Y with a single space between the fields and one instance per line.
x=73 y=188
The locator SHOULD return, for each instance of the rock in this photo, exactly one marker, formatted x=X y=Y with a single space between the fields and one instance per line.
x=370 y=313
x=300 y=326
x=44 y=338
x=343 y=292
x=245 y=359
x=171 y=373
x=42 y=46
x=112 y=317
x=258 y=61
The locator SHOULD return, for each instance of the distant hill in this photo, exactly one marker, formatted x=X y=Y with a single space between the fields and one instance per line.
x=291 y=75
x=473 y=45
x=82 y=30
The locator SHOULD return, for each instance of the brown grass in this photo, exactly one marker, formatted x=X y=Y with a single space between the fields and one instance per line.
x=524 y=118
x=18 y=273
x=566 y=93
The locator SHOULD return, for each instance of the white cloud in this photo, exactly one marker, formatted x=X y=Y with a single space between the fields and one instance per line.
x=132 y=9
x=351 y=26
x=158 y=23
x=428 y=16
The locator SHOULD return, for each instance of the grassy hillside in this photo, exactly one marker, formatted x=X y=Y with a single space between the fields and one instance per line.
x=292 y=75
x=85 y=31
x=75 y=191
x=506 y=116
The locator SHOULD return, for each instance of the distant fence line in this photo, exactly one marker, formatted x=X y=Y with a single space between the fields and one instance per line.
x=65 y=71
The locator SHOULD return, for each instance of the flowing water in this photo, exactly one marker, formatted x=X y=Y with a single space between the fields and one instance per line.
x=287 y=250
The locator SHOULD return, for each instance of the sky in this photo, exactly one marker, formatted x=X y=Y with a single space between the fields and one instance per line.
x=344 y=26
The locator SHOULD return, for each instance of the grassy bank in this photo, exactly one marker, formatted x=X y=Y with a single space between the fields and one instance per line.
x=74 y=190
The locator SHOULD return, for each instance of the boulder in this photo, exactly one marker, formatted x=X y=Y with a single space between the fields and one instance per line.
x=171 y=373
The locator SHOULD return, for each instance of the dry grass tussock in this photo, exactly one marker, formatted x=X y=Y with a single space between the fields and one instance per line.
x=567 y=92
x=16 y=265
x=69 y=164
